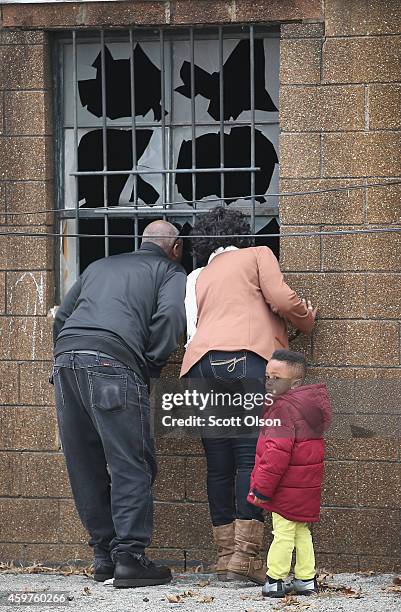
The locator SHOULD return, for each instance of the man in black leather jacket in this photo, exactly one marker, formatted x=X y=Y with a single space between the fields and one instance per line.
x=116 y=328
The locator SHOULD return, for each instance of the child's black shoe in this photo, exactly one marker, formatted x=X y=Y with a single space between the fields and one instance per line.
x=273 y=588
x=304 y=587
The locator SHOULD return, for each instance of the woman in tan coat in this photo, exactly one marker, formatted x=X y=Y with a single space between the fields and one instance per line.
x=237 y=308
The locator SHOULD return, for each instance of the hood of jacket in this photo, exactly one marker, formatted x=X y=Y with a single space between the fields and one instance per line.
x=309 y=403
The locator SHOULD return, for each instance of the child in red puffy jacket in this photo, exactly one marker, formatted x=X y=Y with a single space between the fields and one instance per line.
x=288 y=472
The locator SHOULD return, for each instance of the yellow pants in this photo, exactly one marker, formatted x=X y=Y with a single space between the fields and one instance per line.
x=287 y=536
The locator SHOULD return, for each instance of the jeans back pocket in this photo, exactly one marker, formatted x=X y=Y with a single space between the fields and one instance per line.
x=108 y=392
x=231 y=367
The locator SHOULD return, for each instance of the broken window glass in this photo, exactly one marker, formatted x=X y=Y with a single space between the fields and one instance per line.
x=146 y=115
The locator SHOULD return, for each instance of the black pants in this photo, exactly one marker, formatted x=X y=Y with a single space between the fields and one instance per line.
x=230 y=461
x=103 y=416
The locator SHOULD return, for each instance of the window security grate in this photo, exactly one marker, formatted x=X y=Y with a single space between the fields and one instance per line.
x=164 y=124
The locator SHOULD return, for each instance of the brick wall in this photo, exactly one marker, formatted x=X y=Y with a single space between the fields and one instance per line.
x=340 y=119
x=32 y=473
x=340 y=112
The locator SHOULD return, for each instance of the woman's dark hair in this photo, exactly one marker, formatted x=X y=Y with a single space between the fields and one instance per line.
x=218 y=223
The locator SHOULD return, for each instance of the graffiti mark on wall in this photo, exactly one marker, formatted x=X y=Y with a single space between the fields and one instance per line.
x=34 y=294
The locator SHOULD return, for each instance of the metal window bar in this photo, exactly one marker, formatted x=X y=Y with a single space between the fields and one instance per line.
x=212 y=124
x=171 y=177
x=133 y=131
x=193 y=129
x=75 y=119
x=221 y=109
x=166 y=171
x=104 y=141
x=252 y=99
x=127 y=211
x=163 y=108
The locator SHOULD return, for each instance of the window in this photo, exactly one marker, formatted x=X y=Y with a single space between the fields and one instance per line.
x=163 y=124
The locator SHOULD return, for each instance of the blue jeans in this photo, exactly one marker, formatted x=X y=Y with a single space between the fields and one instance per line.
x=230 y=461
x=103 y=417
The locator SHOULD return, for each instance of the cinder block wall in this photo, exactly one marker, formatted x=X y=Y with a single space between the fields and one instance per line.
x=340 y=116
x=340 y=119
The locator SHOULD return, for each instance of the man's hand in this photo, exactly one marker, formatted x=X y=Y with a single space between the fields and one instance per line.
x=308 y=305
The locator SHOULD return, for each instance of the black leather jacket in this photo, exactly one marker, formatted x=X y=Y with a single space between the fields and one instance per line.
x=128 y=306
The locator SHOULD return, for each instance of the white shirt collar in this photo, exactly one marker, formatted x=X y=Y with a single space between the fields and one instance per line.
x=191 y=306
x=221 y=250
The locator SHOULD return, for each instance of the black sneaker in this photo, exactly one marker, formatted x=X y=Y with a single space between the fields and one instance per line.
x=306 y=587
x=273 y=588
x=136 y=570
x=102 y=570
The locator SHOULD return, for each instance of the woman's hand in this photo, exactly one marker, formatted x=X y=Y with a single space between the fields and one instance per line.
x=308 y=305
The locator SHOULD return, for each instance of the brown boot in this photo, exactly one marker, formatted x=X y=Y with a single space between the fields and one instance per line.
x=245 y=564
x=224 y=539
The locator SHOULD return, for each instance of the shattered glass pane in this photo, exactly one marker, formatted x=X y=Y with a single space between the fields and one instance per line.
x=236 y=79
x=118 y=87
x=163 y=136
x=237 y=153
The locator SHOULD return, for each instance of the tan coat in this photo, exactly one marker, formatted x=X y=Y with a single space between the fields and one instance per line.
x=234 y=294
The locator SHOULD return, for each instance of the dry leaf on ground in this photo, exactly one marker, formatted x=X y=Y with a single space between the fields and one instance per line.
x=324 y=575
x=290 y=600
x=174 y=598
x=350 y=592
x=205 y=599
x=392 y=589
x=38 y=568
x=179 y=598
x=340 y=589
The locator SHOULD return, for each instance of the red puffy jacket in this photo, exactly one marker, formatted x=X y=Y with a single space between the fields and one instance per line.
x=289 y=458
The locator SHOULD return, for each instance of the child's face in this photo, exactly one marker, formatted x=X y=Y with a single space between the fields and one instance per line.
x=280 y=377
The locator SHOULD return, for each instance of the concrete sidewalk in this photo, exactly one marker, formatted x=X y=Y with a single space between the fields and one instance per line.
x=188 y=592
